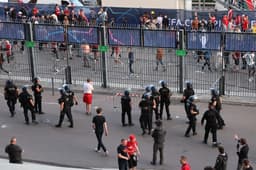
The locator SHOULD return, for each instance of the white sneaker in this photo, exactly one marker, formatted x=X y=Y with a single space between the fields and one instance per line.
x=96 y=150
x=106 y=153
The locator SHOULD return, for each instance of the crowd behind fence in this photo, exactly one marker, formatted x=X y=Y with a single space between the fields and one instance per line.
x=71 y=39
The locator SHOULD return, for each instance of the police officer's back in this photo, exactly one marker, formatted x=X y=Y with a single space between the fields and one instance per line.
x=126 y=108
x=146 y=110
x=165 y=94
x=11 y=95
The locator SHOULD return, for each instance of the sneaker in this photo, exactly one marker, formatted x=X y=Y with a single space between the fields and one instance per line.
x=96 y=150
x=152 y=163
x=57 y=126
x=70 y=126
x=106 y=153
x=187 y=135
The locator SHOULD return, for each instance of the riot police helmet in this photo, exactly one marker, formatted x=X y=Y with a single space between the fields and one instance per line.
x=163 y=83
x=213 y=92
x=189 y=84
x=153 y=89
x=146 y=96
x=35 y=80
x=148 y=89
x=24 y=89
x=9 y=82
x=66 y=88
x=192 y=98
x=126 y=93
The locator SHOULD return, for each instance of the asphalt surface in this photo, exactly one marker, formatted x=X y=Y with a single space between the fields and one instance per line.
x=48 y=68
x=75 y=147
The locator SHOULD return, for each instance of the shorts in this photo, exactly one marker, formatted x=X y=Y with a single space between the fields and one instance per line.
x=132 y=162
x=87 y=98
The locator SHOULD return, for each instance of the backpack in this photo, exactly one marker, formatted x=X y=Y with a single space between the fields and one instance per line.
x=69 y=101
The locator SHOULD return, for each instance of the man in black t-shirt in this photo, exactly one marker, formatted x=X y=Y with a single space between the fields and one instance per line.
x=122 y=155
x=14 y=151
x=99 y=125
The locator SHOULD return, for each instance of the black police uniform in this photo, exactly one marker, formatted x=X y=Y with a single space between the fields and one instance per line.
x=11 y=95
x=146 y=114
x=67 y=99
x=218 y=107
x=126 y=109
x=187 y=93
x=38 y=97
x=165 y=100
x=192 y=119
x=24 y=99
x=159 y=138
x=211 y=125
x=156 y=97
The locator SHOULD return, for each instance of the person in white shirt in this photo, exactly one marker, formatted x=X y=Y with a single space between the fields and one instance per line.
x=88 y=88
x=250 y=60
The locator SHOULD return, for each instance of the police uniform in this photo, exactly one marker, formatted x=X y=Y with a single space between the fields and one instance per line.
x=126 y=108
x=218 y=106
x=211 y=124
x=165 y=100
x=159 y=138
x=11 y=95
x=37 y=96
x=186 y=94
x=156 y=97
x=192 y=112
x=66 y=100
x=26 y=101
x=146 y=114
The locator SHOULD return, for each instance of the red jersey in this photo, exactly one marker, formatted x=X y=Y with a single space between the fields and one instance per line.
x=8 y=48
x=57 y=11
x=213 y=19
x=238 y=20
x=245 y=24
x=35 y=11
x=185 y=167
x=66 y=12
x=230 y=14
x=225 y=20
x=131 y=147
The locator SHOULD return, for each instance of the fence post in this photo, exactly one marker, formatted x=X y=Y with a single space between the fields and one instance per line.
x=222 y=78
x=103 y=42
x=181 y=38
x=31 y=51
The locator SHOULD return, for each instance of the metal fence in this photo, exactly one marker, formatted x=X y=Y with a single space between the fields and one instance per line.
x=34 y=55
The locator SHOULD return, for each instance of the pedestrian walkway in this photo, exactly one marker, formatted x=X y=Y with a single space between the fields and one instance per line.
x=4 y=164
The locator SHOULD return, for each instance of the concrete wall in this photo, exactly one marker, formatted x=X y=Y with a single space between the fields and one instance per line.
x=161 y=4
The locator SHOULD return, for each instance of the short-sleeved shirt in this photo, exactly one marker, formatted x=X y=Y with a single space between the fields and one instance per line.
x=99 y=121
x=14 y=152
x=88 y=88
x=121 y=149
x=131 y=147
x=125 y=101
x=36 y=93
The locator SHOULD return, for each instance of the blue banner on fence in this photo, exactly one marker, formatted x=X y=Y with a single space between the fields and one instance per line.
x=124 y=37
x=203 y=41
x=52 y=33
x=12 y=31
x=240 y=42
x=83 y=35
x=155 y=38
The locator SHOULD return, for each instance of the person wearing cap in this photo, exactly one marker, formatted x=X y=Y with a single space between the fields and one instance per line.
x=37 y=89
x=165 y=94
x=133 y=151
x=87 y=98
x=216 y=100
x=159 y=138
x=193 y=111
x=26 y=101
x=126 y=108
x=189 y=91
x=11 y=95
x=211 y=117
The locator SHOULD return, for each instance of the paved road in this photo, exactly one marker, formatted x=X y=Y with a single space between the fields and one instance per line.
x=118 y=76
x=74 y=147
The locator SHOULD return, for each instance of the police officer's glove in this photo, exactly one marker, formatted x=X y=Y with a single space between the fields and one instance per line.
x=76 y=103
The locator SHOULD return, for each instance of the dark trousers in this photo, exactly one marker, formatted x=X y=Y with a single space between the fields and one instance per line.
x=166 y=103
x=143 y=122
x=31 y=109
x=244 y=63
x=221 y=122
x=69 y=115
x=128 y=112
x=160 y=148
x=186 y=109
x=100 y=143
x=11 y=104
x=38 y=104
x=130 y=67
x=192 y=125
x=123 y=165
x=207 y=62
x=213 y=130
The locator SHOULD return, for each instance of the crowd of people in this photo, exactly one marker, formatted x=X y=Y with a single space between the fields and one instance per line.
x=152 y=102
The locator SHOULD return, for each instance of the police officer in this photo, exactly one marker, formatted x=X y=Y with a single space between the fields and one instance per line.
x=189 y=91
x=211 y=124
x=165 y=94
x=66 y=101
x=156 y=97
x=26 y=101
x=147 y=91
x=146 y=105
x=11 y=95
x=192 y=112
x=126 y=108
x=37 y=89
x=215 y=99
x=159 y=138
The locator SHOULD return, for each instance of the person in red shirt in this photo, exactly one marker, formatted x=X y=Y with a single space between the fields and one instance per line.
x=212 y=19
x=132 y=150
x=245 y=23
x=184 y=163
x=35 y=11
x=230 y=13
x=8 y=48
x=225 y=22
x=238 y=20
x=57 y=10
